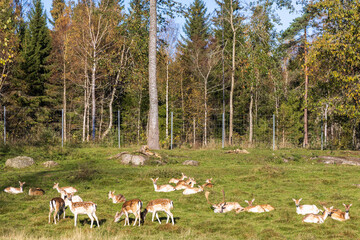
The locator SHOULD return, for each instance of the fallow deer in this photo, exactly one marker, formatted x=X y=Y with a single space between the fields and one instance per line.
x=192 y=190
x=224 y=206
x=159 y=205
x=315 y=218
x=36 y=192
x=190 y=181
x=67 y=189
x=162 y=188
x=266 y=207
x=14 y=190
x=340 y=215
x=88 y=208
x=181 y=185
x=116 y=198
x=254 y=209
x=305 y=209
x=66 y=197
x=131 y=206
x=208 y=183
x=176 y=180
x=57 y=205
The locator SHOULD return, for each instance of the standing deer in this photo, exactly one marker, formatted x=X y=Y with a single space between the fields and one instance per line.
x=116 y=198
x=66 y=189
x=88 y=208
x=132 y=206
x=14 y=190
x=305 y=209
x=162 y=188
x=340 y=215
x=176 y=180
x=315 y=218
x=57 y=205
x=159 y=205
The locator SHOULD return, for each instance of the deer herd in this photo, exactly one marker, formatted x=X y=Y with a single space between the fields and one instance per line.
x=77 y=206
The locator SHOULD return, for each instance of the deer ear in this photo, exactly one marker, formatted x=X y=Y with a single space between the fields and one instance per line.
x=350 y=205
x=156 y=178
x=294 y=200
x=247 y=201
x=300 y=199
x=344 y=205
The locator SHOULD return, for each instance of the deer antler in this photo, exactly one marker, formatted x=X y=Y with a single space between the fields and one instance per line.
x=207 y=197
x=223 y=195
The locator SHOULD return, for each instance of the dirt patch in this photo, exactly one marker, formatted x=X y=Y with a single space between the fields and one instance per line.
x=339 y=160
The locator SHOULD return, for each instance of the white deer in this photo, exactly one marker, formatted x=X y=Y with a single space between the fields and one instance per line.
x=88 y=208
x=340 y=215
x=176 y=180
x=224 y=206
x=57 y=205
x=192 y=190
x=159 y=205
x=315 y=218
x=132 y=206
x=14 y=190
x=116 y=198
x=305 y=209
x=162 y=188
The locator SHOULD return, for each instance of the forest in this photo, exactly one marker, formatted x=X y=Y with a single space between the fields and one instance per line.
x=230 y=69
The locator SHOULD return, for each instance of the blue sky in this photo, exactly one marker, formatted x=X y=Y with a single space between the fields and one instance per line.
x=285 y=16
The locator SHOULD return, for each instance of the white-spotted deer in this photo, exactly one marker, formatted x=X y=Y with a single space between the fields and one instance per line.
x=116 y=198
x=181 y=185
x=14 y=190
x=66 y=189
x=190 y=181
x=159 y=205
x=82 y=208
x=57 y=205
x=176 y=180
x=266 y=207
x=193 y=190
x=36 y=192
x=315 y=218
x=305 y=209
x=224 y=206
x=132 y=206
x=162 y=188
x=208 y=183
x=254 y=209
x=340 y=215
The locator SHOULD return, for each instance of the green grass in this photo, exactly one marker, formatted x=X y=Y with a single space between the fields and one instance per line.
x=262 y=174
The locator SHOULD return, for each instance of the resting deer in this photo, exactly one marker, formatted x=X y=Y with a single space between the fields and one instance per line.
x=116 y=198
x=57 y=205
x=315 y=218
x=14 y=190
x=36 y=192
x=224 y=206
x=67 y=189
x=208 y=183
x=176 y=180
x=159 y=205
x=266 y=207
x=88 y=208
x=305 y=209
x=190 y=181
x=192 y=190
x=162 y=188
x=340 y=215
x=254 y=209
x=181 y=185
x=132 y=206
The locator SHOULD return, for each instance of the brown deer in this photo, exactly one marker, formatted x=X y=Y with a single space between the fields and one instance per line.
x=14 y=190
x=162 y=188
x=36 y=192
x=116 y=198
x=56 y=204
x=159 y=205
x=176 y=180
x=340 y=215
x=88 y=208
x=315 y=218
x=132 y=206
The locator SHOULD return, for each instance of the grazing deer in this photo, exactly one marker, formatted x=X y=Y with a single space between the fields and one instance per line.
x=266 y=207
x=181 y=185
x=116 y=198
x=56 y=204
x=66 y=189
x=88 y=208
x=305 y=209
x=36 y=192
x=132 y=206
x=315 y=218
x=162 y=188
x=14 y=190
x=159 y=205
x=176 y=180
x=224 y=206
x=208 y=183
x=254 y=209
x=192 y=190
x=340 y=215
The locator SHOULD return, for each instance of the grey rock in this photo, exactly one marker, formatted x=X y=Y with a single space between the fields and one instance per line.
x=50 y=164
x=19 y=162
x=191 y=163
x=136 y=160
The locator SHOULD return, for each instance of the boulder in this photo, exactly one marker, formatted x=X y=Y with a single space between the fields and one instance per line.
x=130 y=159
x=50 y=164
x=191 y=163
x=19 y=162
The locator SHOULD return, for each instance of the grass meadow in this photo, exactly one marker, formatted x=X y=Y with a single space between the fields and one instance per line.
x=262 y=175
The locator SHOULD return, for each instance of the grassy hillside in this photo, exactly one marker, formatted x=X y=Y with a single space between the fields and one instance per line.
x=262 y=175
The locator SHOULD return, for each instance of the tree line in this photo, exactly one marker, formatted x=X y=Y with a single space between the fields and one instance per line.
x=91 y=58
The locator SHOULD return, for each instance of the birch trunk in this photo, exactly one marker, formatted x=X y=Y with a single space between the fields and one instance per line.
x=305 y=144
x=251 y=115
x=232 y=90
x=167 y=99
x=325 y=127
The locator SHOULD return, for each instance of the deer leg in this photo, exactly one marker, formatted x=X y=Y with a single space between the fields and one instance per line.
x=92 y=220
x=75 y=219
x=153 y=216
x=97 y=221
x=157 y=216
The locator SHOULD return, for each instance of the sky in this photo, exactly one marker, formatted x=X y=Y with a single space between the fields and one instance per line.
x=285 y=16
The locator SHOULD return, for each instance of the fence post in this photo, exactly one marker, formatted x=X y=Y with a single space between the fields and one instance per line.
x=171 y=145
x=119 y=128
x=273 y=131
x=322 y=134
x=4 y=125
x=62 y=128
x=223 y=130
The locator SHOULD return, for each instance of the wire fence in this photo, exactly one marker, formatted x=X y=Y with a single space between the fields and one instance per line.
x=40 y=126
